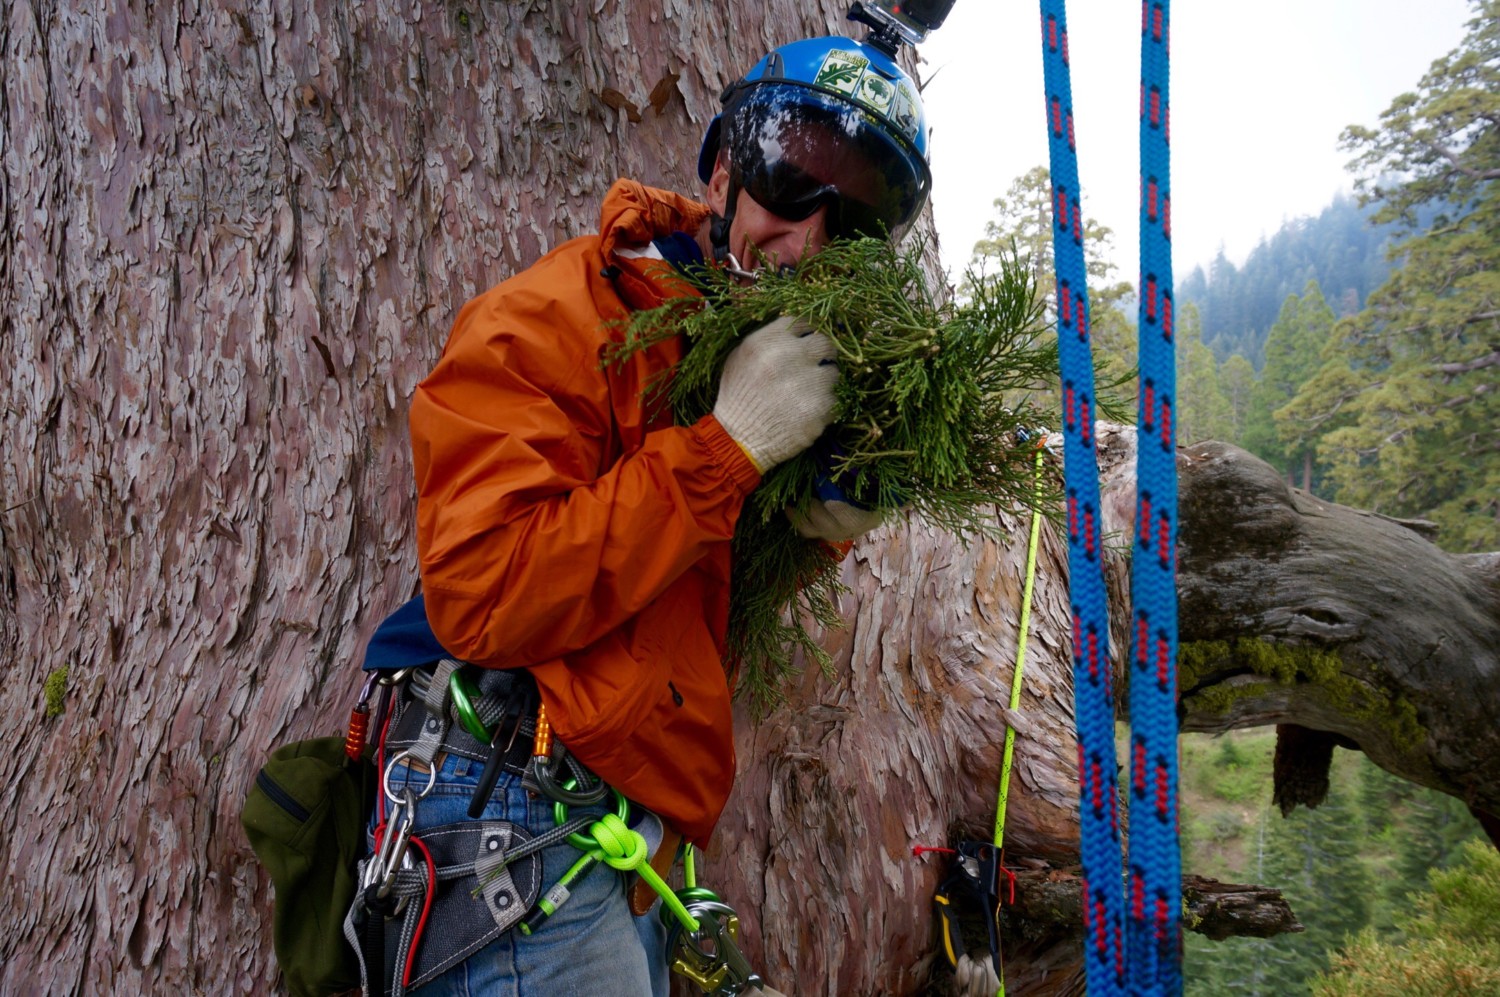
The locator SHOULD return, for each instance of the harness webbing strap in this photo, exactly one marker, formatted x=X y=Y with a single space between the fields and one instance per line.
x=1149 y=962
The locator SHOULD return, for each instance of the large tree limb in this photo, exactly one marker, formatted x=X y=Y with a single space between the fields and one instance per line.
x=1299 y=611
x=1295 y=611
x=1050 y=900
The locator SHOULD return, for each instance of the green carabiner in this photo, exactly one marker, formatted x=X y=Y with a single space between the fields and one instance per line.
x=463 y=694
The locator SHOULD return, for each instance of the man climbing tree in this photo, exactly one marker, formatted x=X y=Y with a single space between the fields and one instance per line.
x=575 y=549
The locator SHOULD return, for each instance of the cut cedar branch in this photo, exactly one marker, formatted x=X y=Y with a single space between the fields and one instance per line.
x=934 y=405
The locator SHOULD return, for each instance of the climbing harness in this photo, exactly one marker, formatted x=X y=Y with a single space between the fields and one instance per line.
x=1146 y=958
x=411 y=880
x=479 y=878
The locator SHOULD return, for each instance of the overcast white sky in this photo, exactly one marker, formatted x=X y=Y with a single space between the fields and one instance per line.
x=1259 y=91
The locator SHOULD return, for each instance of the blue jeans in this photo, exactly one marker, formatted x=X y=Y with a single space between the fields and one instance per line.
x=592 y=945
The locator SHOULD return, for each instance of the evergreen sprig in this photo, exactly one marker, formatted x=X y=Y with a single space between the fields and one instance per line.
x=930 y=401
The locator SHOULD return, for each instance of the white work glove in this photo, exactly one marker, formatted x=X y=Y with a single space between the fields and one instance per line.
x=764 y=991
x=776 y=393
x=833 y=520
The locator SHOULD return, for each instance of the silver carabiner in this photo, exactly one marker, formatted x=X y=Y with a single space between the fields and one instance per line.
x=390 y=766
x=710 y=956
x=392 y=855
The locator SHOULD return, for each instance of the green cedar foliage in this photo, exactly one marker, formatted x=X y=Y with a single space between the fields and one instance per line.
x=1405 y=403
x=930 y=399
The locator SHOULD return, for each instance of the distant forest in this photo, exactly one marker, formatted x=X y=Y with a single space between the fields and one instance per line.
x=1342 y=249
x=1356 y=351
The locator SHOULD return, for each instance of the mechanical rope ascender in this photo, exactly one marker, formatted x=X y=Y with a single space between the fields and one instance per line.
x=1132 y=945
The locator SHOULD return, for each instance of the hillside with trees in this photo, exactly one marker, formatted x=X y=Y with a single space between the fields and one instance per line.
x=1340 y=248
x=1351 y=868
x=1404 y=409
x=1356 y=351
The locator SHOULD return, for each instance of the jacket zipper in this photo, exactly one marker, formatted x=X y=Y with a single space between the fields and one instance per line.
x=280 y=797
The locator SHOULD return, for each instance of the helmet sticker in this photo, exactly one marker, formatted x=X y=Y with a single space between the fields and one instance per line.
x=849 y=73
x=903 y=111
x=841 y=71
x=875 y=93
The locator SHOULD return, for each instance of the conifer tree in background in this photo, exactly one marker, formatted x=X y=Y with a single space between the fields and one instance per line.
x=1292 y=358
x=1023 y=223
x=1237 y=381
x=1406 y=404
x=1447 y=939
x=1203 y=412
x=1316 y=858
x=1430 y=835
x=1358 y=858
x=1338 y=247
x=1412 y=830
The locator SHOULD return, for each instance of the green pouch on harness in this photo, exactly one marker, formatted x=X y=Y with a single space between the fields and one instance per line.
x=305 y=817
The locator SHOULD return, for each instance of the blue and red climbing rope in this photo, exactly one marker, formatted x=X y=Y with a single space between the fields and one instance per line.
x=1099 y=828
x=1154 y=927
x=1135 y=947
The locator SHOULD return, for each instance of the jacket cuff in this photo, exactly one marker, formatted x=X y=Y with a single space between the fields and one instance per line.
x=726 y=453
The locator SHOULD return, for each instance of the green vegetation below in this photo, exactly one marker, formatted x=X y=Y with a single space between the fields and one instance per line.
x=1346 y=867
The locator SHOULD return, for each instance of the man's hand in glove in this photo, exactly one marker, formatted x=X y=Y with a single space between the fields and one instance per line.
x=833 y=519
x=776 y=393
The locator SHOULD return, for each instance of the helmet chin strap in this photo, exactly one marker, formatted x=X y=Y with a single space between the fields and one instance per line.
x=718 y=236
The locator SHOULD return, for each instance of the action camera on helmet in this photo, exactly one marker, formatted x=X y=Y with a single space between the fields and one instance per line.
x=897 y=21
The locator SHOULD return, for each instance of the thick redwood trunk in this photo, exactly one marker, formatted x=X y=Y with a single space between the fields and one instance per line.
x=233 y=236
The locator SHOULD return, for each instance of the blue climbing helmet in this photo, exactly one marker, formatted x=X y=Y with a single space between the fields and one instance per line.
x=825 y=121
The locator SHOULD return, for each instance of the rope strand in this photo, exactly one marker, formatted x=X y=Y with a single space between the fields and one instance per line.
x=1149 y=961
x=1099 y=828
x=1154 y=929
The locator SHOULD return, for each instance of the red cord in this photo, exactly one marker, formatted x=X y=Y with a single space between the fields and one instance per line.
x=416 y=938
x=920 y=850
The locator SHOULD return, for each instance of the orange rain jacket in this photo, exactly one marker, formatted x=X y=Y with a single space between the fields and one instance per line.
x=565 y=529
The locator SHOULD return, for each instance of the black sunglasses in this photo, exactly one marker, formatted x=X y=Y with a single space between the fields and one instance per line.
x=791 y=193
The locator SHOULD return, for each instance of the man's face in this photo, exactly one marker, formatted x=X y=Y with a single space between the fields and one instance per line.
x=759 y=238
x=760 y=235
